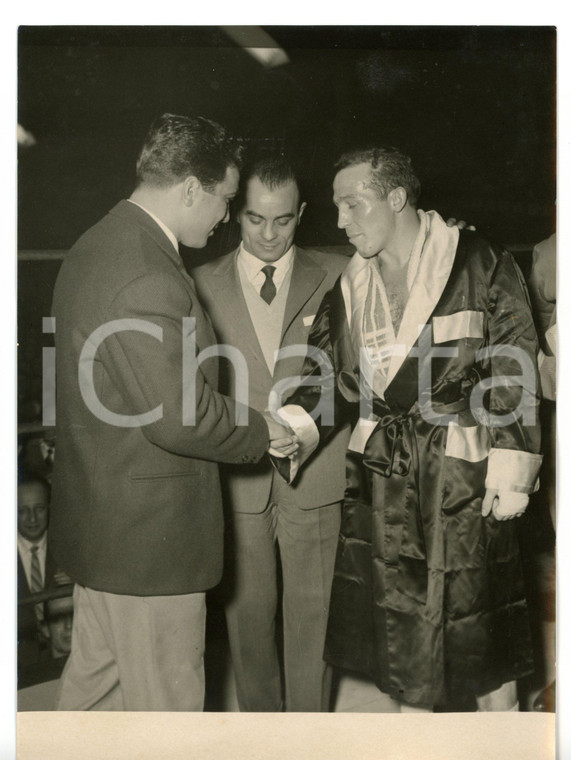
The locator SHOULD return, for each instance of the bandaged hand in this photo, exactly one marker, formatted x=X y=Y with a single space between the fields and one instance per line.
x=504 y=505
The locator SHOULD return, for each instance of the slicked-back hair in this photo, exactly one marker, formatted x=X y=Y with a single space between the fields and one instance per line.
x=177 y=147
x=390 y=168
x=273 y=167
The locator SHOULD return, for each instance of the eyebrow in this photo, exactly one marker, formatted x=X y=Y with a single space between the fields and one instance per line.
x=259 y=216
x=339 y=198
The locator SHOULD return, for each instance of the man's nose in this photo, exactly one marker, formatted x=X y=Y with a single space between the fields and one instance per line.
x=268 y=231
x=342 y=220
x=32 y=516
x=68 y=623
x=226 y=215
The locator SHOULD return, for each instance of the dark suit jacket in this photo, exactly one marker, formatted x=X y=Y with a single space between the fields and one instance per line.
x=137 y=510
x=322 y=481
x=28 y=635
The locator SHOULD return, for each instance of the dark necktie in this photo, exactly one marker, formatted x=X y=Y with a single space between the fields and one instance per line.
x=268 y=290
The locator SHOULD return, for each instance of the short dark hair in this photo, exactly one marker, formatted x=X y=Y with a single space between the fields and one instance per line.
x=177 y=147
x=48 y=608
x=273 y=167
x=390 y=168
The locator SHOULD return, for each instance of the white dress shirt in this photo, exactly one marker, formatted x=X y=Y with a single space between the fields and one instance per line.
x=252 y=267
x=162 y=225
x=267 y=318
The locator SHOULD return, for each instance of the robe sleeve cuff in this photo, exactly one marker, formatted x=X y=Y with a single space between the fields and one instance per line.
x=512 y=470
x=308 y=434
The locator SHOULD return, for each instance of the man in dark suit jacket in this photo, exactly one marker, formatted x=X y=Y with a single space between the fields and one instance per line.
x=260 y=311
x=36 y=566
x=137 y=513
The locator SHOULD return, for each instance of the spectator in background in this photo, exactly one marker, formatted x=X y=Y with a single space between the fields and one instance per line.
x=543 y=295
x=37 y=456
x=36 y=566
x=543 y=292
x=56 y=630
x=58 y=623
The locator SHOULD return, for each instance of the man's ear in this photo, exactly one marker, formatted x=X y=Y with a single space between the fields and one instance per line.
x=190 y=188
x=397 y=199
x=300 y=212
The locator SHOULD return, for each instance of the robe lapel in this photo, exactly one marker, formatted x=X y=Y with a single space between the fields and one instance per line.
x=432 y=275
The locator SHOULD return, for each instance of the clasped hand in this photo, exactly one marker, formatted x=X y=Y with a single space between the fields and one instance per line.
x=283 y=440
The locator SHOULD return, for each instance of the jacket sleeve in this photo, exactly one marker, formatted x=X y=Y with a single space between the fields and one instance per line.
x=147 y=371
x=510 y=364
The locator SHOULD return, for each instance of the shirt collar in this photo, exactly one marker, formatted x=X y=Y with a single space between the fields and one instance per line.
x=161 y=224
x=26 y=545
x=253 y=265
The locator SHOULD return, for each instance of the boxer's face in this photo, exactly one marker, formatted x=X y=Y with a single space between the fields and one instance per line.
x=368 y=221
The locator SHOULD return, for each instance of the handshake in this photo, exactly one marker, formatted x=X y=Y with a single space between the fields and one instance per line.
x=283 y=440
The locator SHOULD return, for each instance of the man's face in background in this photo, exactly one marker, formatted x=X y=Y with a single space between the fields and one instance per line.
x=33 y=510
x=59 y=620
x=269 y=219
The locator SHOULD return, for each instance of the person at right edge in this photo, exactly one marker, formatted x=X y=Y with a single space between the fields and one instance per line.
x=432 y=327
x=543 y=294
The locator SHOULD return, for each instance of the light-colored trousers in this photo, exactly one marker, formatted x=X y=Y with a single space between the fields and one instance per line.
x=135 y=653
x=307 y=543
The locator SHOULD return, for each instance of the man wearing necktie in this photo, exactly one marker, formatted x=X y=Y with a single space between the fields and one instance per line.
x=36 y=567
x=261 y=298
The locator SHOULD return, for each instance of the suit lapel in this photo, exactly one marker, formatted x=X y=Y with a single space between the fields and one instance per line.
x=226 y=286
x=23 y=588
x=51 y=568
x=305 y=279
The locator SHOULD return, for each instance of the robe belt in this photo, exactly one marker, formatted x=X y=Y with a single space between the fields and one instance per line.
x=388 y=450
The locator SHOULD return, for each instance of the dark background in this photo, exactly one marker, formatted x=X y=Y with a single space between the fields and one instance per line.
x=473 y=106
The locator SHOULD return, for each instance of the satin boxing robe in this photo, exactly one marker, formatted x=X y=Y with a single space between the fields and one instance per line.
x=428 y=597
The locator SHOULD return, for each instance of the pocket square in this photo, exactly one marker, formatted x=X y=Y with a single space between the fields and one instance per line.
x=308 y=321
